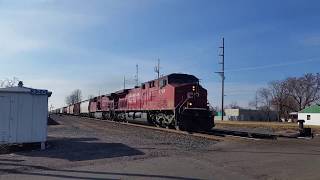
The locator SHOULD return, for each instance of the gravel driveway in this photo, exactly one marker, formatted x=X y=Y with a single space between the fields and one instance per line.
x=81 y=148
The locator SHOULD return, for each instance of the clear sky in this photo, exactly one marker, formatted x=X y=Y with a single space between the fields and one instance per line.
x=91 y=45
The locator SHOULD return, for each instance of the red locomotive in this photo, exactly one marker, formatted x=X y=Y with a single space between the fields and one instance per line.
x=173 y=101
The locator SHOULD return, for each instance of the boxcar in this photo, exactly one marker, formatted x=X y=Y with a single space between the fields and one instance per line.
x=65 y=110
x=84 y=108
x=76 y=109
x=93 y=106
x=71 y=107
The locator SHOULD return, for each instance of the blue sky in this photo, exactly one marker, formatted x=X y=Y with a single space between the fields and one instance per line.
x=91 y=45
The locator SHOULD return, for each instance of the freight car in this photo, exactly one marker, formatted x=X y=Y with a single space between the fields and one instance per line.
x=84 y=110
x=76 y=109
x=65 y=110
x=172 y=101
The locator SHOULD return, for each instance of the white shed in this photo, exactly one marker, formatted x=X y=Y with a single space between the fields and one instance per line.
x=311 y=115
x=23 y=115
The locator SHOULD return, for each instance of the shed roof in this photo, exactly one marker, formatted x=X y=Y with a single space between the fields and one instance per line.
x=311 y=109
x=17 y=89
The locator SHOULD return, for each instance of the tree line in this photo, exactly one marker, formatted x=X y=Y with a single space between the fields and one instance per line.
x=9 y=82
x=74 y=97
x=289 y=95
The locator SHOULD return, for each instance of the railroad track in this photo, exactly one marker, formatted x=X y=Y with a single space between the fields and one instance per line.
x=214 y=134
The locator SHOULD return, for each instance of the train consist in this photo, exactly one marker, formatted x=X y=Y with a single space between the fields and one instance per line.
x=172 y=101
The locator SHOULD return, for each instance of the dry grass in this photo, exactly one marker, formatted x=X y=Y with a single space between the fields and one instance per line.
x=275 y=126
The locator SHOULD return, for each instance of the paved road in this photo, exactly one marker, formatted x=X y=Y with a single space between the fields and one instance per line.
x=86 y=149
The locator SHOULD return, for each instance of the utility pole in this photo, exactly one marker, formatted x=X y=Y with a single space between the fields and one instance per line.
x=157 y=70
x=222 y=77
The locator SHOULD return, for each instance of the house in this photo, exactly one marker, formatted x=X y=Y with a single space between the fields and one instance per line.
x=311 y=115
x=239 y=114
x=23 y=115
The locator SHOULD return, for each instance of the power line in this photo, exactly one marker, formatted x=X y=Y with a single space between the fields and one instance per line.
x=271 y=65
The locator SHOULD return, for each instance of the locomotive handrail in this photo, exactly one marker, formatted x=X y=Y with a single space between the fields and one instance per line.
x=181 y=104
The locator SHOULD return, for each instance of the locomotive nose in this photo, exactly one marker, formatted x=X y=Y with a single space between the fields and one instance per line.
x=196 y=119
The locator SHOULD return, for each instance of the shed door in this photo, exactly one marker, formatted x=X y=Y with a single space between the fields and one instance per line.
x=4 y=118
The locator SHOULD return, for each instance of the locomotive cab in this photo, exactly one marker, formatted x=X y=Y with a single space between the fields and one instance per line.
x=192 y=112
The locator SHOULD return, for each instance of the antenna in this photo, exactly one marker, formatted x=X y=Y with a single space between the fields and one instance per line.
x=124 y=82
x=221 y=73
x=157 y=70
x=137 y=75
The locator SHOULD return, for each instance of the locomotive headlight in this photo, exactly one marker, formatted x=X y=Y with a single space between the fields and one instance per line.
x=193 y=88
x=190 y=104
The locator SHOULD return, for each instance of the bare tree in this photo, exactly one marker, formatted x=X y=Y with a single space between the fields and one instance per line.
x=74 y=97
x=279 y=94
x=9 y=82
x=264 y=96
x=254 y=103
x=305 y=90
x=233 y=105
x=290 y=95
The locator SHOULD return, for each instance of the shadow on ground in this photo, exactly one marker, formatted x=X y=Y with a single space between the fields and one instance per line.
x=81 y=149
x=52 y=122
x=23 y=169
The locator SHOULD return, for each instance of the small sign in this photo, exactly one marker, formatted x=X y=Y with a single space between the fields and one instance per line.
x=39 y=92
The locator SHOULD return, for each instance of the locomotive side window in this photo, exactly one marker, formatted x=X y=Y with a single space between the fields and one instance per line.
x=163 y=83
x=143 y=86
x=151 y=84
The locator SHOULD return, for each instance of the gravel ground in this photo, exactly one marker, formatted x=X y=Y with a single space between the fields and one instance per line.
x=264 y=127
x=80 y=148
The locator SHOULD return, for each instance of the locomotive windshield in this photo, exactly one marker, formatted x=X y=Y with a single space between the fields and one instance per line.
x=182 y=78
